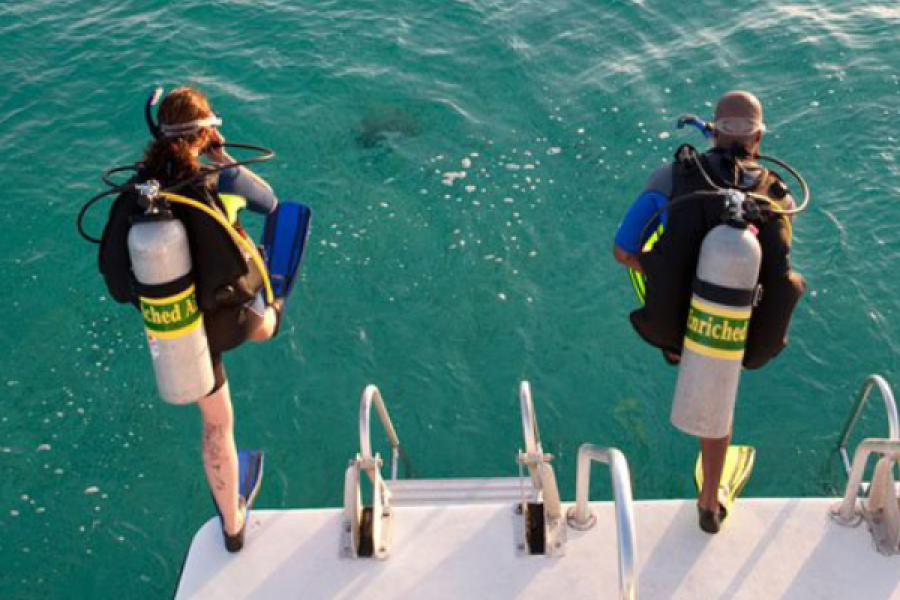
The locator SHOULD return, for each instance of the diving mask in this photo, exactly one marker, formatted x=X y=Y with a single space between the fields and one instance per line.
x=176 y=129
x=179 y=129
x=738 y=126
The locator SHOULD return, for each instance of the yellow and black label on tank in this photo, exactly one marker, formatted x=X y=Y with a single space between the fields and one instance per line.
x=717 y=331
x=173 y=316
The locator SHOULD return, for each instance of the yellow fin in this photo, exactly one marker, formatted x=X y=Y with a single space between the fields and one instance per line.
x=738 y=466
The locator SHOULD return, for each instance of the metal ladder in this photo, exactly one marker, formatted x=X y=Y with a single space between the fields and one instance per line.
x=366 y=530
x=880 y=509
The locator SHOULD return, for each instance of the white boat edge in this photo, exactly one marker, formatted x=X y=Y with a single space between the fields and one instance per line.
x=514 y=538
x=769 y=548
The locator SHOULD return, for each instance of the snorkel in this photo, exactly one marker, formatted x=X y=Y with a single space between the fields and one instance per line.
x=174 y=130
x=689 y=154
x=263 y=154
x=707 y=128
x=703 y=126
x=148 y=112
x=164 y=197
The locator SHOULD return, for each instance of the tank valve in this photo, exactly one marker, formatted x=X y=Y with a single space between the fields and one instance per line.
x=148 y=193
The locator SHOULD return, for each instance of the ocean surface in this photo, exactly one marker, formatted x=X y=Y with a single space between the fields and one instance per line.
x=467 y=163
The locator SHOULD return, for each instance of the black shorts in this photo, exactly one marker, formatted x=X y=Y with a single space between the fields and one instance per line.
x=228 y=328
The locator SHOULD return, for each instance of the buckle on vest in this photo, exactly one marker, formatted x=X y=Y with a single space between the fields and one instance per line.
x=757 y=295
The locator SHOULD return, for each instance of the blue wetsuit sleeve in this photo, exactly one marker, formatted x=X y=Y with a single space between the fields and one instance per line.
x=238 y=181
x=640 y=221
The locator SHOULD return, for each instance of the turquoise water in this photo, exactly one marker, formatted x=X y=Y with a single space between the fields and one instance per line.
x=445 y=291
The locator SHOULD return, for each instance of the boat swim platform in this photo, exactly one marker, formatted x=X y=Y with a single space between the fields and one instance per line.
x=786 y=548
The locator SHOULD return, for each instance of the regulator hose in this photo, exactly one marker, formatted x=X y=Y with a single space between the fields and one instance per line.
x=718 y=191
x=265 y=155
x=239 y=239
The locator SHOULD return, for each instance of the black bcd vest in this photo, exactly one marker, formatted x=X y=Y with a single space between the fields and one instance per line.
x=224 y=276
x=671 y=264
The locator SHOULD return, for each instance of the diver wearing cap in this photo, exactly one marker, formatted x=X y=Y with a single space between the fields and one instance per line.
x=738 y=122
x=673 y=214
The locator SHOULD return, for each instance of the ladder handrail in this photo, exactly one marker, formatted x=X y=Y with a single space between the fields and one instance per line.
x=529 y=423
x=861 y=398
x=530 y=431
x=581 y=518
x=371 y=395
x=845 y=511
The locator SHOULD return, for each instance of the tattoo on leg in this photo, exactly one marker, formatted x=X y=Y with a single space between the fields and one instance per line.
x=213 y=452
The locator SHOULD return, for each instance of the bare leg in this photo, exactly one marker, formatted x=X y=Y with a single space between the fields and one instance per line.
x=714 y=452
x=266 y=328
x=220 y=460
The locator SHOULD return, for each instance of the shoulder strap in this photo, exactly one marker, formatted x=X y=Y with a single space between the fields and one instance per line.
x=113 y=259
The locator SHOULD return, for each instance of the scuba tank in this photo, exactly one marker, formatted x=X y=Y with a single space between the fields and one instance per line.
x=724 y=293
x=161 y=262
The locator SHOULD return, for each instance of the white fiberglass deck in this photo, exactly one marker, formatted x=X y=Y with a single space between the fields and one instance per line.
x=770 y=548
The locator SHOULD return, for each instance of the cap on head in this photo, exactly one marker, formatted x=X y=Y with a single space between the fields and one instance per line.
x=739 y=116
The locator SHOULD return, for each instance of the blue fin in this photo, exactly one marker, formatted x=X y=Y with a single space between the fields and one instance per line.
x=284 y=240
x=250 y=473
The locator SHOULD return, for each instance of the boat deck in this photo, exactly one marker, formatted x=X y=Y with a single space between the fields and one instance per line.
x=770 y=548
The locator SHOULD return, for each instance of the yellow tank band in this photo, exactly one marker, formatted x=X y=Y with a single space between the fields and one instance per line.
x=714 y=352
x=716 y=331
x=171 y=335
x=721 y=311
x=173 y=316
x=169 y=299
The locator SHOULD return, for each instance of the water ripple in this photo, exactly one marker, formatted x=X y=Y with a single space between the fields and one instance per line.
x=467 y=164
